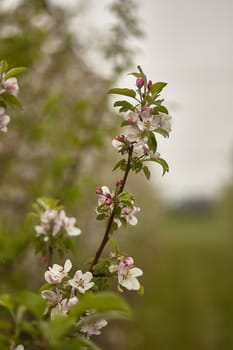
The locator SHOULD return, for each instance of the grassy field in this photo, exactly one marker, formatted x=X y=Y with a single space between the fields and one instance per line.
x=188 y=301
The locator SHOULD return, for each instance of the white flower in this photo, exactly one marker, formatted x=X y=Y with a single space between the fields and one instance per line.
x=51 y=297
x=129 y=214
x=117 y=144
x=57 y=273
x=49 y=221
x=11 y=86
x=94 y=328
x=19 y=347
x=127 y=277
x=53 y=221
x=63 y=306
x=4 y=120
x=81 y=281
x=105 y=196
x=164 y=122
x=126 y=273
x=68 y=224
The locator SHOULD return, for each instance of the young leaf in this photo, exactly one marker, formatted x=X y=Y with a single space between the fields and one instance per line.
x=32 y=301
x=137 y=75
x=124 y=92
x=152 y=143
x=158 y=109
x=11 y=100
x=121 y=164
x=125 y=106
x=163 y=163
x=162 y=132
x=3 y=66
x=146 y=172
x=104 y=301
x=14 y=71
x=157 y=87
x=57 y=328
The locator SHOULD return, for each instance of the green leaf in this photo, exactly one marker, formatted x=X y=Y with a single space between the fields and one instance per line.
x=100 y=217
x=157 y=87
x=152 y=143
x=14 y=71
x=32 y=301
x=146 y=172
x=126 y=106
x=163 y=163
x=11 y=100
x=79 y=343
x=57 y=328
x=103 y=301
x=158 y=109
x=121 y=164
x=6 y=302
x=3 y=66
x=124 y=92
x=125 y=196
x=137 y=75
x=162 y=132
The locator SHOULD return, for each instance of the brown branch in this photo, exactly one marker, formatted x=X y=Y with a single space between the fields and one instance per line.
x=111 y=218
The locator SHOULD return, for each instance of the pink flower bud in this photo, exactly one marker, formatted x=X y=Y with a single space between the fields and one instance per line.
x=120 y=138
x=140 y=82
x=119 y=182
x=98 y=190
x=128 y=261
x=108 y=201
x=149 y=84
x=108 y=195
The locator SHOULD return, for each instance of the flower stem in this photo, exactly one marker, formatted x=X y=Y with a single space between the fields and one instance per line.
x=106 y=236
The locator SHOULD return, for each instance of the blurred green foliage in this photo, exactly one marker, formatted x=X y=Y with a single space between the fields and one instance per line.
x=53 y=145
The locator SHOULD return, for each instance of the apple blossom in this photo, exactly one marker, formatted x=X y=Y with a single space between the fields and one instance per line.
x=11 y=86
x=82 y=281
x=165 y=122
x=68 y=224
x=4 y=120
x=19 y=347
x=53 y=221
x=51 y=297
x=57 y=273
x=126 y=273
x=93 y=328
x=64 y=306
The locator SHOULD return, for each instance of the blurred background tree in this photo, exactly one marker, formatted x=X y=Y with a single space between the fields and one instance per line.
x=53 y=148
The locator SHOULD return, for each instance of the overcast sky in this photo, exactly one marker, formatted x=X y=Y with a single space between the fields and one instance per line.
x=189 y=44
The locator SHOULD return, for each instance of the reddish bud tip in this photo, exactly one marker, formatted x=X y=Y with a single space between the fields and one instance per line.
x=108 y=201
x=119 y=182
x=140 y=82
x=149 y=84
x=120 y=138
x=98 y=190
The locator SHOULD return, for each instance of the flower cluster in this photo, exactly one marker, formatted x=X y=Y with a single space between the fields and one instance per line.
x=64 y=294
x=126 y=273
x=54 y=222
x=140 y=126
x=122 y=204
